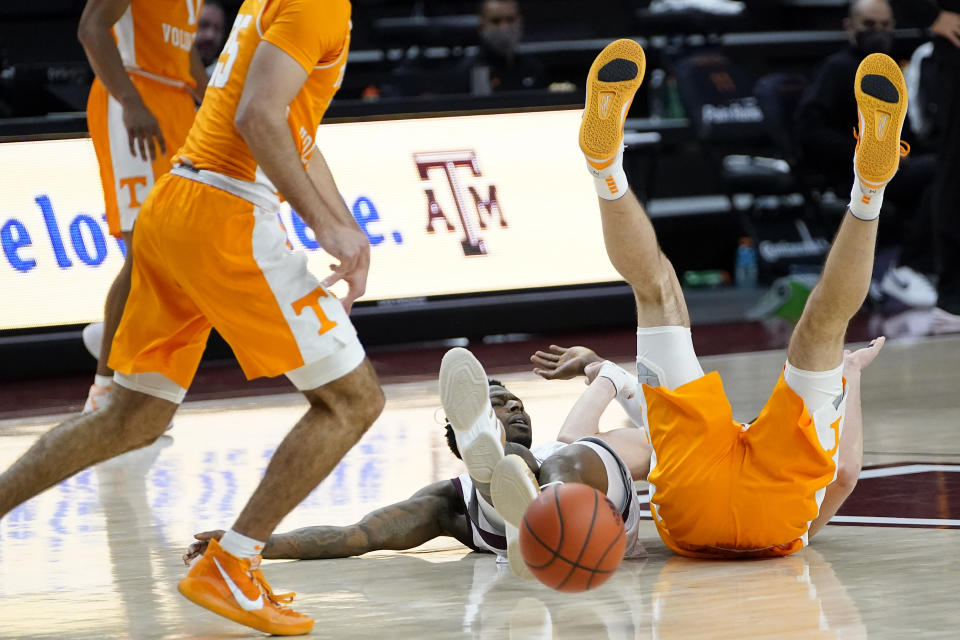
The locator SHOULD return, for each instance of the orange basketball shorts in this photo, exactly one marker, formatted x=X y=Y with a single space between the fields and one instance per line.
x=127 y=179
x=722 y=489
x=205 y=257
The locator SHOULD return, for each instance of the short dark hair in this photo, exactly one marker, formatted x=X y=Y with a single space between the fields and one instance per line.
x=448 y=429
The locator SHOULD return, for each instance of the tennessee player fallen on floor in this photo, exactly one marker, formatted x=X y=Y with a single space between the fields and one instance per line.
x=720 y=488
x=210 y=251
x=462 y=507
x=141 y=105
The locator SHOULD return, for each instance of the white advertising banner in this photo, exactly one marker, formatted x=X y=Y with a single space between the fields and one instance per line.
x=451 y=205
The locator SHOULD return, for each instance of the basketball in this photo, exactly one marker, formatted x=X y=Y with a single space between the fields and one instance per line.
x=572 y=537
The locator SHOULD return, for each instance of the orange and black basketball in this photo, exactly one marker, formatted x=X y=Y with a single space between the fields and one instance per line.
x=572 y=537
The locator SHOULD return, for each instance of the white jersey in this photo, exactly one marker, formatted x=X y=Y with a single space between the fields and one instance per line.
x=488 y=533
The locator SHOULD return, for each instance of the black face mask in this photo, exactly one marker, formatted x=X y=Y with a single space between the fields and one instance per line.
x=874 y=41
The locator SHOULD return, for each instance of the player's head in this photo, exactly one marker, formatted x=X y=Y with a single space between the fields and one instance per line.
x=211 y=31
x=501 y=25
x=510 y=413
x=869 y=26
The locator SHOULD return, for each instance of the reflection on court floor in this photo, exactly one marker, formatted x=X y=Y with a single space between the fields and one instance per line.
x=99 y=555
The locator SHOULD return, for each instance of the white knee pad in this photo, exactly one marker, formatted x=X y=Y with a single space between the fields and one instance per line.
x=665 y=357
x=816 y=388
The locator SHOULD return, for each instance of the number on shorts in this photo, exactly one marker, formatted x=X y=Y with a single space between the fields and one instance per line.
x=228 y=56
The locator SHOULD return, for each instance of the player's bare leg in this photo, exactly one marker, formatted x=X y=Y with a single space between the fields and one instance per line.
x=817 y=342
x=113 y=306
x=100 y=391
x=340 y=413
x=227 y=579
x=132 y=420
x=628 y=234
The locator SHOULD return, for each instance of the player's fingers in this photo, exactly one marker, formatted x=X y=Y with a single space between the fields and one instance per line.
x=542 y=362
x=142 y=147
x=132 y=141
x=148 y=143
x=332 y=279
x=161 y=142
x=558 y=349
x=357 y=285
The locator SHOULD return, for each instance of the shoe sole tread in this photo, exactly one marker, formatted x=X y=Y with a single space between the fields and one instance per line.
x=618 y=72
x=880 y=91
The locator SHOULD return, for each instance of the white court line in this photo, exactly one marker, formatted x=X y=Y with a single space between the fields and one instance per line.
x=925 y=522
x=882 y=520
x=886 y=472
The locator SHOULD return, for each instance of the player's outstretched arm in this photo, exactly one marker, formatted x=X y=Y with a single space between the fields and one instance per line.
x=400 y=526
x=850 y=457
x=272 y=82
x=97 y=19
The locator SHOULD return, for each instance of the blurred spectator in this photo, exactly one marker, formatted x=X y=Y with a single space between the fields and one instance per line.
x=496 y=66
x=827 y=116
x=943 y=19
x=211 y=33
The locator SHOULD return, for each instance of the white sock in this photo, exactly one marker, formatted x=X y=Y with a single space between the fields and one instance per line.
x=102 y=381
x=865 y=202
x=239 y=545
x=610 y=183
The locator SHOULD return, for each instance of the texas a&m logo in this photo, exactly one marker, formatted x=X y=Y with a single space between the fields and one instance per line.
x=473 y=209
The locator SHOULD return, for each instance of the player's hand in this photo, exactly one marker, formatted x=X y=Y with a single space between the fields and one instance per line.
x=947 y=25
x=591 y=370
x=350 y=245
x=142 y=130
x=861 y=358
x=563 y=363
x=197 y=549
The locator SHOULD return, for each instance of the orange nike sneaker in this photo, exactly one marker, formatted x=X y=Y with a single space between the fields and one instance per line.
x=882 y=106
x=235 y=588
x=614 y=78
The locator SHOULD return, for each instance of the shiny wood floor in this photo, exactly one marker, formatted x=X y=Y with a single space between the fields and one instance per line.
x=99 y=555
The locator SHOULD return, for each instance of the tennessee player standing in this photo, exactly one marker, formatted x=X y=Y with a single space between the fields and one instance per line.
x=210 y=251
x=141 y=104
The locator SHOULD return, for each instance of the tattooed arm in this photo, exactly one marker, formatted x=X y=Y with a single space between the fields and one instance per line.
x=429 y=513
